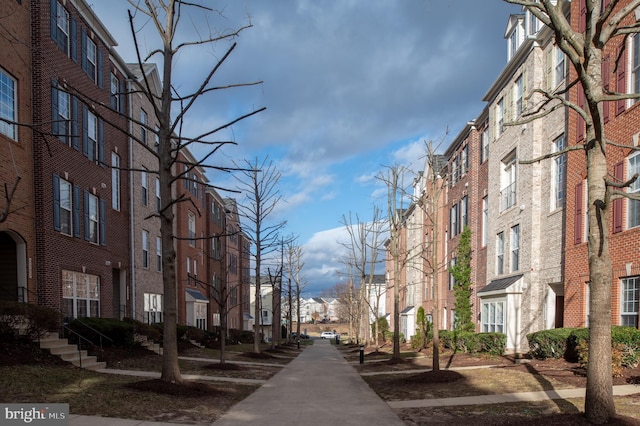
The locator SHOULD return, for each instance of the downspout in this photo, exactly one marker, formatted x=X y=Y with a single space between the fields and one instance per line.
x=132 y=228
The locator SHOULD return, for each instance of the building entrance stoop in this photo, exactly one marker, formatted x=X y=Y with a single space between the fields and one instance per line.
x=69 y=352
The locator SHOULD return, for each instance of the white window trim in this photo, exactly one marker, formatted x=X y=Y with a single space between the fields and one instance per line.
x=10 y=130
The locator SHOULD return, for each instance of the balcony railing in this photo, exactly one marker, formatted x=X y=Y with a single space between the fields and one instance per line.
x=508 y=197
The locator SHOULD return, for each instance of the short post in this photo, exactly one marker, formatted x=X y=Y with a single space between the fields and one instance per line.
x=298 y=343
x=361 y=354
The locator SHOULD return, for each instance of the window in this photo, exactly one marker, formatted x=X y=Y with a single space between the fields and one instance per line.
x=63 y=30
x=92 y=218
x=114 y=96
x=8 y=105
x=464 y=213
x=159 y=254
x=115 y=181
x=533 y=23
x=144 y=183
x=515 y=248
x=508 y=182
x=484 y=139
x=91 y=59
x=559 y=173
x=188 y=266
x=64 y=116
x=81 y=294
x=485 y=220
x=500 y=254
x=145 y=249
x=464 y=160
x=200 y=315
x=513 y=43
x=64 y=197
x=635 y=65
x=158 y=199
x=518 y=93
x=192 y=229
x=630 y=299
x=633 y=206
x=156 y=137
x=559 y=70
x=143 y=126
x=493 y=317
x=453 y=221
x=233 y=264
x=92 y=136
x=216 y=248
x=152 y=308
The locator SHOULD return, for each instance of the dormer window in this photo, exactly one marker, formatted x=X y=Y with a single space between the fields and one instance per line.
x=515 y=34
x=513 y=43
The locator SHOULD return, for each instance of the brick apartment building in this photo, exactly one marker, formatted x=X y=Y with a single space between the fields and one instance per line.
x=17 y=234
x=622 y=126
x=83 y=233
x=146 y=277
x=81 y=263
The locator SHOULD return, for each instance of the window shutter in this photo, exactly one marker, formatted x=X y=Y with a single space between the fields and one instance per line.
x=56 y=203
x=55 y=114
x=122 y=97
x=103 y=235
x=54 y=20
x=618 y=173
x=87 y=227
x=75 y=137
x=580 y=124
x=99 y=68
x=76 y=211
x=606 y=81
x=73 y=27
x=83 y=44
x=621 y=81
x=101 y=141
x=85 y=132
x=578 y=215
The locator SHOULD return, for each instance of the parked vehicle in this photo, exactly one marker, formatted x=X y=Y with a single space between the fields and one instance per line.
x=328 y=335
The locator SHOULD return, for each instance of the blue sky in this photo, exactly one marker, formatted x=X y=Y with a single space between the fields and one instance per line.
x=349 y=86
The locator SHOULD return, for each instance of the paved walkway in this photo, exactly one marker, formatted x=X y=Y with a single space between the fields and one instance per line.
x=320 y=388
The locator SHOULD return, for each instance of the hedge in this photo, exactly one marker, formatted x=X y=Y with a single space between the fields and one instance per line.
x=572 y=344
x=470 y=342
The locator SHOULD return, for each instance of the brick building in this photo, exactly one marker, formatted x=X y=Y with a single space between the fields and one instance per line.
x=17 y=236
x=622 y=126
x=524 y=291
x=81 y=263
x=146 y=275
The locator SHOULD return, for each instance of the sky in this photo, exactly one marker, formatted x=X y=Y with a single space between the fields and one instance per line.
x=349 y=86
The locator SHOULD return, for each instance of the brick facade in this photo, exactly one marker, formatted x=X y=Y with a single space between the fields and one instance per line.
x=62 y=68
x=17 y=236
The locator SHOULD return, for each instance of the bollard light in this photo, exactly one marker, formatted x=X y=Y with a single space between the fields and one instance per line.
x=361 y=354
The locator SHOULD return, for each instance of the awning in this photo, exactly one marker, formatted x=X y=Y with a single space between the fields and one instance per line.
x=500 y=285
x=195 y=296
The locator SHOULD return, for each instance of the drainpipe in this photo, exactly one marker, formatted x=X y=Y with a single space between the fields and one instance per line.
x=131 y=205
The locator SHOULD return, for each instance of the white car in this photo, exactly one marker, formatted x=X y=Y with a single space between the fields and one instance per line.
x=328 y=335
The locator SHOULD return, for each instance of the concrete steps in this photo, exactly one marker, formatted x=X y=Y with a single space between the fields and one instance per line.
x=69 y=353
x=147 y=344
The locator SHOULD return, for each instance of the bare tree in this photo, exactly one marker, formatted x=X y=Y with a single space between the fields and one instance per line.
x=258 y=181
x=431 y=202
x=364 y=246
x=393 y=178
x=170 y=109
x=603 y=26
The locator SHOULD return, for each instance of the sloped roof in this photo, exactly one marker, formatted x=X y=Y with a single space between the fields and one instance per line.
x=407 y=310
x=194 y=295
x=501 y=284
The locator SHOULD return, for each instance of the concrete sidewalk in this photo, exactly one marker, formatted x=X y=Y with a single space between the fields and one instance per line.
x=317 y=388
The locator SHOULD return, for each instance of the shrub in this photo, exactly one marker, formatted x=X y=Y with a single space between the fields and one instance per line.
x=549 y=343
x=118 y=333
x=469 y=342
x=625 y=347
x=23 y=318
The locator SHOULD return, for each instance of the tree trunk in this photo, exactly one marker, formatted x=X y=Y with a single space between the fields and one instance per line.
x=599 y=404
